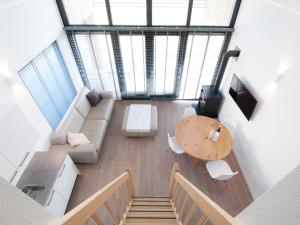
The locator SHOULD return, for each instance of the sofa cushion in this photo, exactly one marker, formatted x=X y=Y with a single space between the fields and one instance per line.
x=95 y=130
x=77 y=139
x=82 y=104
x=73 y=123
x=102 y=111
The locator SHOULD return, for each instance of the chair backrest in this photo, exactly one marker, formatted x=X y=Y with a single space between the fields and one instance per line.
x=189 y=111
x=170 y=142
x=173 y=145
x=226 y=176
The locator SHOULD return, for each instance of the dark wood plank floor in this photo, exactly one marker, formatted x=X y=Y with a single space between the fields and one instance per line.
x=151 y=161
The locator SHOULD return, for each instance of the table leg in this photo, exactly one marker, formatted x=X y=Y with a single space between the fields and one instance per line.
x=194 y=161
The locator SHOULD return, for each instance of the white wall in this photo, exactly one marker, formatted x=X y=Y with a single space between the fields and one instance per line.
x=267 y=147
x=278 y=206
x=27 y=28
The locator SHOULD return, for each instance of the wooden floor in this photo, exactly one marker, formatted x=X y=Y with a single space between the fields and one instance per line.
x=151 y=161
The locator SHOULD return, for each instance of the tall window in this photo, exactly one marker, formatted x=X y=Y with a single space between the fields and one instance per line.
x=48 y=81
x=150 y=49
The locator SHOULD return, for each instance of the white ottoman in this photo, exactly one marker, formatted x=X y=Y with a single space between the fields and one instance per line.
x=140 y=121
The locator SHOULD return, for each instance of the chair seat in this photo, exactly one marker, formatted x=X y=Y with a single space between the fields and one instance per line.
x=219 y=170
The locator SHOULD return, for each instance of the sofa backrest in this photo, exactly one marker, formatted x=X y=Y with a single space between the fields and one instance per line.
x=82 y=105
x=73 y=123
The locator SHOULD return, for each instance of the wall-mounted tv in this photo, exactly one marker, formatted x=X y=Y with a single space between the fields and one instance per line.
x=242 y=97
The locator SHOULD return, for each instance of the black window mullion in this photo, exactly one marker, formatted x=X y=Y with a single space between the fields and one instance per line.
x=118 y=61
x=62 y=11
x=149 y=12
x=222 y=52
x=149 y=43
x=235 y=13
x=180 y=61
x=188 y=21
x=78 y=59
x=108 y=10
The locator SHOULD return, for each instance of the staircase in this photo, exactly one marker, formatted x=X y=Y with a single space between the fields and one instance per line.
x=151 y=210
x=185 y=205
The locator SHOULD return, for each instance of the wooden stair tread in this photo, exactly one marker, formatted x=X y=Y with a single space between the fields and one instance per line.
x=147 y=223
x=153 y=199
x=150 y=221
x=160 y=215
x=153 y=208
x=148 y=203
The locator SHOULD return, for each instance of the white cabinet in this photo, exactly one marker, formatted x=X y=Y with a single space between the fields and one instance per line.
x=62 y=189
x=7 y=170
x=56 y=204
x=18 y=137
x=66 y=178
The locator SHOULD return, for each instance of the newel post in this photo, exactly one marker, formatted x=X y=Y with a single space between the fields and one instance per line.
x=172 y=181
x=130 y=183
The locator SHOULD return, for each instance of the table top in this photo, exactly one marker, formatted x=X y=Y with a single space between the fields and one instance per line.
x=192 y=134
x=139 y=118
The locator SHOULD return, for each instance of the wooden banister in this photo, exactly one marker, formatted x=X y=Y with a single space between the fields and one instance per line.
x=213 y=212
x=87 y=209
x=172 y=182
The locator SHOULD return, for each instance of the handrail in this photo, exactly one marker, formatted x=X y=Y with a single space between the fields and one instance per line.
x=210 y=210
x=87 y=209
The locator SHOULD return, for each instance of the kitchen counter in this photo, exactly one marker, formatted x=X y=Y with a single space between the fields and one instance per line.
x=42 y=170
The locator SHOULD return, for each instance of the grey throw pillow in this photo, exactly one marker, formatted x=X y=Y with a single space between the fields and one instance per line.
x=93 y=97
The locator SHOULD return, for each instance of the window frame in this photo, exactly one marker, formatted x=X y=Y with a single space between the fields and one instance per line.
x=32 y=65
x=149 y=29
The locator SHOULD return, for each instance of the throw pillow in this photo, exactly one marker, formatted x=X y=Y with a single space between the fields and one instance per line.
x=93 y=97
x=77 y=139
x=59 y=138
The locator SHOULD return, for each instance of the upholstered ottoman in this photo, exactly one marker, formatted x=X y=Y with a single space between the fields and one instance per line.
x=140 y=120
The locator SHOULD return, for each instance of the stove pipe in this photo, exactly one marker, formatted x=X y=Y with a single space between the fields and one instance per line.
x=226 y=56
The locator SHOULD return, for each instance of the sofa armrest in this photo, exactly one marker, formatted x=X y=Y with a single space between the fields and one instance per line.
x=106 y=94
x=85 y=153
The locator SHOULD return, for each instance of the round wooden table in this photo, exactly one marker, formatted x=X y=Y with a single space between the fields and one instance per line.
x=192 y=134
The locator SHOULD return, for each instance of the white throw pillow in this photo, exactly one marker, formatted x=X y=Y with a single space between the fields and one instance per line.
x=77 y=139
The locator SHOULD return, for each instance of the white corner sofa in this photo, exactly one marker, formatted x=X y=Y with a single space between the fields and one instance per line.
x=91 y=121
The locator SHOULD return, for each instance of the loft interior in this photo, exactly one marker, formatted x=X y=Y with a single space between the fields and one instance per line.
x=149 y=112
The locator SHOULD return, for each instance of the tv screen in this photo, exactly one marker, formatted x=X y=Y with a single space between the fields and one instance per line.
x=242 y=97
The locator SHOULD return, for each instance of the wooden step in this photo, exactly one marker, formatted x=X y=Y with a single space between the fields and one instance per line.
x=153 y=208
x=152 y=215
x=148 y=203
x=152 y=199
x=149 y=221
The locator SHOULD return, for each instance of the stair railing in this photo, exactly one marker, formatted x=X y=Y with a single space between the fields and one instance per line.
x=187 y=200
x=116 y=198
